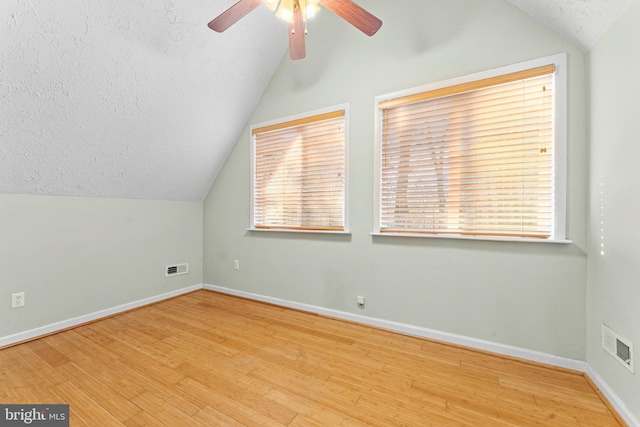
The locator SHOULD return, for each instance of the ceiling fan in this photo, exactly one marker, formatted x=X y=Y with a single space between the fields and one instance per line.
x=296 y=13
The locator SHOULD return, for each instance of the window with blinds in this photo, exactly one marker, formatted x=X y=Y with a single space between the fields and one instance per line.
x=299 y=173
x=475 y=158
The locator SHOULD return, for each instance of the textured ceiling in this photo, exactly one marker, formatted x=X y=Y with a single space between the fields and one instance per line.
x=139 y=99
x=121 y=98
x=581 y=21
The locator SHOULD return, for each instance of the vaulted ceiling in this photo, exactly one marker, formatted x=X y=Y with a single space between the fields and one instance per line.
x=139 y=99
x=581 y=21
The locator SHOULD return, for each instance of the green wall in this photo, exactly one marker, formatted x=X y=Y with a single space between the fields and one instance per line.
x=613 y=296
x=75 y=256
x=529 y=295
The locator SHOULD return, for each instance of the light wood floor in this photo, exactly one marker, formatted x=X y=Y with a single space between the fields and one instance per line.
x=207 y=359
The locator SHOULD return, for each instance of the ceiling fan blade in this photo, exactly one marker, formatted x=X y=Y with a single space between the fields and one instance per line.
x=297 y=49
x=354 y=14
x=233 y=14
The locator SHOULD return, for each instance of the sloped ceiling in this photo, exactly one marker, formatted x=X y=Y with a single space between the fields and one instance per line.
x=139 y=99
x=581 y=21
x=121 y=98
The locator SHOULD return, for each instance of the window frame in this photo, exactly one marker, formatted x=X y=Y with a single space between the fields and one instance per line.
x=344 y=107
x=559 y=166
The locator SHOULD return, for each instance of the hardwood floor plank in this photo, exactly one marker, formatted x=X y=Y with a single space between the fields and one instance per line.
x=89 y=357
x=169 y=393
x=226 y=404
x=163 y=410
x=108 y=398
x=212 y=417
x=26 y=369
x=302 y=421
x=50 y=355
x=144 y=419
x=137 y=360
x=83 y=408
x=311 y=410
x=209 y=359
x=586 y=401
x=480 y=417
x=237 y=392
x=395 y=412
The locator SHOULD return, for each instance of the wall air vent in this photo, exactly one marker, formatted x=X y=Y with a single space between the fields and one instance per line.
x=174 y=270
x=620 y=348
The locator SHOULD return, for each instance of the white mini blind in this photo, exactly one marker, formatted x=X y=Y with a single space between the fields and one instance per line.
x=472 y=159
x=299 y=174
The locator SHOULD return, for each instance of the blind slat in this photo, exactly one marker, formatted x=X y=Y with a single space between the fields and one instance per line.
x=466 y=87
x=472 y=159
x=299 y=174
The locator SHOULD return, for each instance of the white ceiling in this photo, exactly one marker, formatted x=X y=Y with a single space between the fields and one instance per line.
x=139 y=99
x=581 y=21
x=121 y=98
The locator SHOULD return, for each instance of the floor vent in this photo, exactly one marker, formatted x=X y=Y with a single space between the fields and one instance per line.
x=174 y=270
x=620 y=348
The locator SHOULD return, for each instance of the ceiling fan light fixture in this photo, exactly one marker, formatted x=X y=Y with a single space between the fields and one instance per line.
x=285 y=14
x=271 y=4
x=284 y=9
x=311 y=10
x=296 y=13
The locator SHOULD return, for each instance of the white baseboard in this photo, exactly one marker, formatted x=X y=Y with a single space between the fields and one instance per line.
x=526 y=354
x=507 y=350
x=418 y=331
x=613 y=398
x=69 y=323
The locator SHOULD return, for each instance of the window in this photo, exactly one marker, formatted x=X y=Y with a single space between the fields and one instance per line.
x=479 y=157
x=299 y=173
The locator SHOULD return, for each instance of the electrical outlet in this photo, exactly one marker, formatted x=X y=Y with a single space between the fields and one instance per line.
x=360 y=300
x=17 y=300
x=236 y=264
